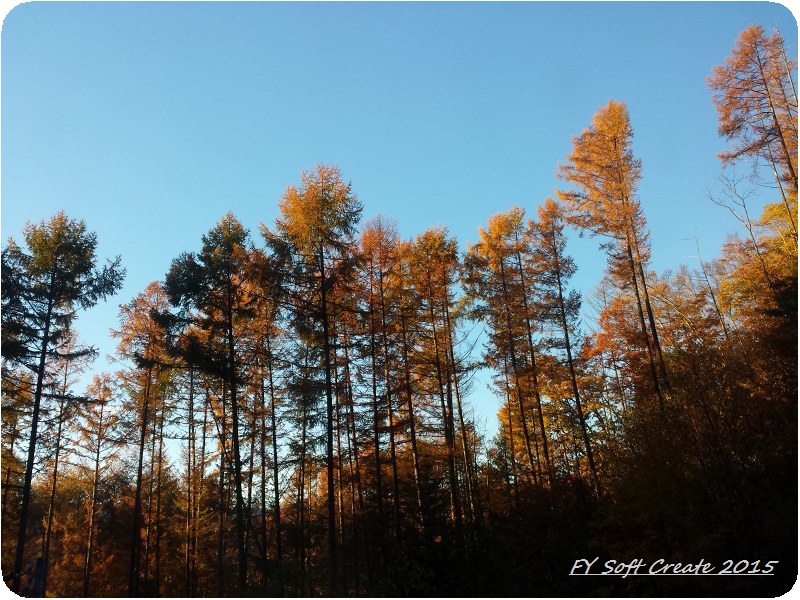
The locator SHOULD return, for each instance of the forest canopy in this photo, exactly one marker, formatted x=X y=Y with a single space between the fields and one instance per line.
x=291 y=415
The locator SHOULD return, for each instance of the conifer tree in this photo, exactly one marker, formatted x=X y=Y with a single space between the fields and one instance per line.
x=142 y=341
x=560 y=306
x=318 y=219
x=96 y=442
x=212 y=283
x=605 y=172
x=49 y=282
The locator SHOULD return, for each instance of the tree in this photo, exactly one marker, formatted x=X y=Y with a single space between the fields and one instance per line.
x=554 y=272
x=756 y=99
x=142 y=341
x=55 y=278
x=495 y=279
x=97 y=443
x=433 y=266
x=212 y=283
x=318 y=219
x=606 y=172
x=73 y=361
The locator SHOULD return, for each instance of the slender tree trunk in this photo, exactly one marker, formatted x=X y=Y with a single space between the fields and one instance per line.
x=511 y=435
x=332 y=555
x=133 y=573
x=571 y=363
x=150 y=497
x=237 y=460
x=190 y=458
x=472 y=507
x=200 y=476
x=534 y=367
x=26 y=486
x=778 y=130
x=159 y=484
x=339 y=462
x=51 y=503
x=412 y=423
x=263 y=469
x=632 y=243
x=355 y=454
x=651 y=319
x=250 y=474
x=645 y=336
x=221 y=501
x=301 y=505
x=455 y=503
x=711 y=291
x=87 y=563
x=515 y=369
x=338 y=409
x=785 y=200
x=376 y=432
x=275 y=468
x=390 y=410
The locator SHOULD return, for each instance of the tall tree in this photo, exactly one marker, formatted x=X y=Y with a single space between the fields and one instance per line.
x=212 y=283
x=756 y=99
x=318 y=218
x=72 y=362
x=96 y=442
x=560 y=306
x=605 y=172
x=434 y=267
x=142 y=341
x=494 y=276
x=52 y=279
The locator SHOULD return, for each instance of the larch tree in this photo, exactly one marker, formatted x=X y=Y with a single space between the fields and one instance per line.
x=73 y=360
x=142 y=342
x=319 y=218
x=52 y=280
x=605 y=173
x=434 y=269
x=559 y=305
x=212 y=283
x=97 y=442
x=756 y=99
x=495 y=277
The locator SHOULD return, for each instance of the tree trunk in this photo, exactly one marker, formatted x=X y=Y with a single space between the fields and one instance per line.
x=133 y=573
x=190 y=458
x=26 y=486
x=411 y=423
x=515 y=369
x=332 y=557
x=455 y=503
x=534 y=367
x=87 y=563
x=511 y=435
x=275 y=467
x=390 y=410
x=646 y=338
x=51 y=503
x=376 y=431
x=237 y=460
x=221 y=502
x=473 y=510
x=570 y=362
x=158 y=502
x=150 y=497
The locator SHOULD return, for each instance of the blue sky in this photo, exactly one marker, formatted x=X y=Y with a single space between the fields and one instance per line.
x=151 y=120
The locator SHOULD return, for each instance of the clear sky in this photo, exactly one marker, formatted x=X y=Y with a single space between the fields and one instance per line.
x=151 y=120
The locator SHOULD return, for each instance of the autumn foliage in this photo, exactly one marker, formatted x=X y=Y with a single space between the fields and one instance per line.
x=290 y=412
